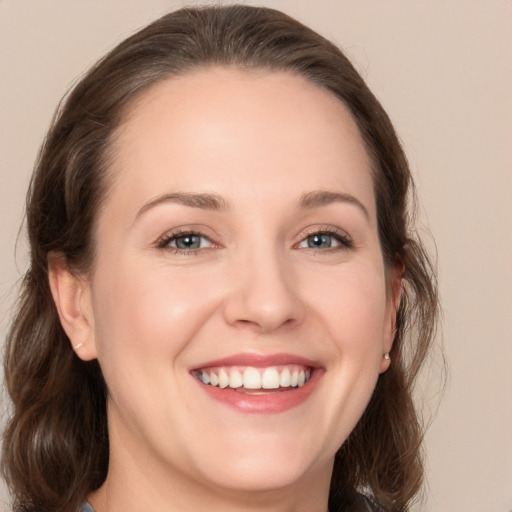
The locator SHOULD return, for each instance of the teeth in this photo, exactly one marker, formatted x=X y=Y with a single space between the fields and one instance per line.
x=256 y=378
x=285 y=379
x=235 y=379
x=214 y=380
x=223 y=378
x=270 y=379
x=252 y=378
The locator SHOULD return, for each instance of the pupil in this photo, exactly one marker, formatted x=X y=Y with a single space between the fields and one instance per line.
x=321 y=241
x=188 y=242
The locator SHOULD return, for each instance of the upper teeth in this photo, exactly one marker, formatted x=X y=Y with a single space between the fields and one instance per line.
x=272 y=377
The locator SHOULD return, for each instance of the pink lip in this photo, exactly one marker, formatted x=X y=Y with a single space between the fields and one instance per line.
x=270 y=402
x=258 y=361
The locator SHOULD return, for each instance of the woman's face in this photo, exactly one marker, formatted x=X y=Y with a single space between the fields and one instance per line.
x=238 y=306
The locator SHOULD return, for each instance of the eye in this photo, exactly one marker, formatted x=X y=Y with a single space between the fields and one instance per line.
x=185 y=242
x=325 y=240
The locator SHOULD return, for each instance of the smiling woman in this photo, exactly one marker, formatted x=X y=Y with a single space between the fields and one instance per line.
x=218 y=228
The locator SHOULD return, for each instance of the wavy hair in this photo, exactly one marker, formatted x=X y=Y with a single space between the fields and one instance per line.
x=55 y=446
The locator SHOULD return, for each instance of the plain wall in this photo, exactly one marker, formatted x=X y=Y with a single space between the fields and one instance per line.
x=442 y=70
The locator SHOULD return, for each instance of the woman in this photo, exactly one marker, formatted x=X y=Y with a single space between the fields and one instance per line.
x=225 y=307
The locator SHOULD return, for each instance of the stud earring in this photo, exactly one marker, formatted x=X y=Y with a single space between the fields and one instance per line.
x=76 y=347
x=386 y=356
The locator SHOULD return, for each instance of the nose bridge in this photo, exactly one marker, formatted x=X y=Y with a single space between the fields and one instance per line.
x=264 y=293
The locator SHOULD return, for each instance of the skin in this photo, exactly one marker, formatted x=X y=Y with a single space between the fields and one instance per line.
x=260 y=141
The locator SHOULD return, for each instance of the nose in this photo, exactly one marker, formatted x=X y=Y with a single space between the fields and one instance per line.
x=264 y=295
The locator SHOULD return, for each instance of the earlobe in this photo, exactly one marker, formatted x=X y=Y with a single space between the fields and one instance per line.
x=385 y=363
x=71 y=295
x=393 y=305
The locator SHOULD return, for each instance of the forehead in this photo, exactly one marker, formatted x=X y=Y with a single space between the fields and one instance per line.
x=245 y=128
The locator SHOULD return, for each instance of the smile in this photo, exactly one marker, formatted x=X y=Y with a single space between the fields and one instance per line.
x=255 y=383
x=251 y=379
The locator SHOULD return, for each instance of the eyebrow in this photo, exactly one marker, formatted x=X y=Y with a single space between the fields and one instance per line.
x=215 y=202
x=202 y=201
x=324 y=197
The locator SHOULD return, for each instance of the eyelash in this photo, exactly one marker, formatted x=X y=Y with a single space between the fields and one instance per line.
x=342 y=238
x=167 y=239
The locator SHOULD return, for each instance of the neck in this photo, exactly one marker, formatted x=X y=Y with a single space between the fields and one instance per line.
x=135 y=487
x=141 y=478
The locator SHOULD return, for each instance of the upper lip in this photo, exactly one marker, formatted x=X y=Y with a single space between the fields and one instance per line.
x=258 y=361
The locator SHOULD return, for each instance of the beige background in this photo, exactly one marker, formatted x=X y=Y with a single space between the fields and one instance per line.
x=443 y=71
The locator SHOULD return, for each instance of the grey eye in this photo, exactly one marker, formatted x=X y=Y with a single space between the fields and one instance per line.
x=320 y=241
x=325 y=240
x=188 y=241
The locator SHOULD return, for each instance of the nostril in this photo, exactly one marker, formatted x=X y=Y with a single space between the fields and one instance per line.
x=265 y=324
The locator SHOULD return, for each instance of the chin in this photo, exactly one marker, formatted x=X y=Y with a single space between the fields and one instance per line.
x=270 y=466
x=258 y=476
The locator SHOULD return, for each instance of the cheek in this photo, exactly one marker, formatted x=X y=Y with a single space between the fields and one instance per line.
x=351 y=302
x=146 y=312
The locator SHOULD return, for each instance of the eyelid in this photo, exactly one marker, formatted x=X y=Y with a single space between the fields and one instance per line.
x=342 y=236
x=344 y=239
x=163 y=241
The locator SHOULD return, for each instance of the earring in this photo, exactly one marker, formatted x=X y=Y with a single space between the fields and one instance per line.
x=76 y=347
x=386 y=356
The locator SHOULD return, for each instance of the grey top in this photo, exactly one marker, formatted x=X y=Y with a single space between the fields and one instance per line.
x=87 y=508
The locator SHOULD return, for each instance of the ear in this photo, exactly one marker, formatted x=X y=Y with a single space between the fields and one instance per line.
x=395 y=295
x=72 y=297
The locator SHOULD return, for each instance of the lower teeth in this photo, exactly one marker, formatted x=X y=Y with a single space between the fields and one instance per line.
x=261 y=391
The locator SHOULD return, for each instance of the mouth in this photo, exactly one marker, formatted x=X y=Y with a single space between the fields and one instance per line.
x=259 y=384
x=253 y=380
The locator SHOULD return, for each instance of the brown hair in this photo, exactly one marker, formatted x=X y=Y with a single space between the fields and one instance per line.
x=56 y=446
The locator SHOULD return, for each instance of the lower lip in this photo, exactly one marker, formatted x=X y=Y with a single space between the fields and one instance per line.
x=268 y=403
